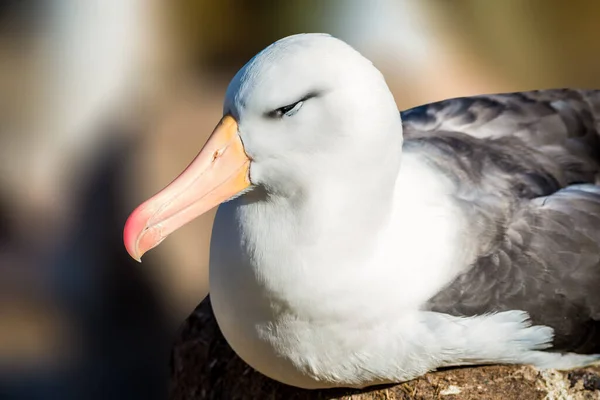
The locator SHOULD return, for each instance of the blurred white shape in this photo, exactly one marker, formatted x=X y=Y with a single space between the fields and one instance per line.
x=395 y=29
x=91 y=62
x=92 y=68
x=94 y=54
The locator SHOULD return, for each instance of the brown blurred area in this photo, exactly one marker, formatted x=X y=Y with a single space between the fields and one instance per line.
x=102 y=103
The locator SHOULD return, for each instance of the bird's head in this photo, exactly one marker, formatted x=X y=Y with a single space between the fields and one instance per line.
x=306 y=110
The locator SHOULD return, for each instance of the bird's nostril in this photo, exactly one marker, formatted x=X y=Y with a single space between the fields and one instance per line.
x=218 y=153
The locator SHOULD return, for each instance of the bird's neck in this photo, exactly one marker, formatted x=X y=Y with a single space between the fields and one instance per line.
x=331 y=221
x=353 y=233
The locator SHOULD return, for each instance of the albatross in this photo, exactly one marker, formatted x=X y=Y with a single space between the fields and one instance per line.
x=357 y=245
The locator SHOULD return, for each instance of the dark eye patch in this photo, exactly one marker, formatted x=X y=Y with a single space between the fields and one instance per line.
x=285 y=109
x=281 y=111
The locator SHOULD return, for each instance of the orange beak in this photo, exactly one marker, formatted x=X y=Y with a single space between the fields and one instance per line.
x=219 y=172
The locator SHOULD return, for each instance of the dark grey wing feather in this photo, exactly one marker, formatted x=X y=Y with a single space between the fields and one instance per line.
x=561 y=123
x=547 y=263
x=514 y=159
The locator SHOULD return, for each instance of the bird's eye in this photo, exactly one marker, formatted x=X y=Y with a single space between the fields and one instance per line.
x=288 y=111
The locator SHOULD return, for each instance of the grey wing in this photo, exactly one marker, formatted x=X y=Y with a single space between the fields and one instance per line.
x=561 y=123
x=547 y=263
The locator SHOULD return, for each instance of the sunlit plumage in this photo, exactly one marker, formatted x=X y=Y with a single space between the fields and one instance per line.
x=375 y=246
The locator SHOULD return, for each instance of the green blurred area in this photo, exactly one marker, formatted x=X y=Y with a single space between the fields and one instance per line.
x=531 y=42
x=541 y=40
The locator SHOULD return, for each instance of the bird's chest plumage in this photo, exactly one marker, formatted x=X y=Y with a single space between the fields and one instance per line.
x=286 y=336
x=250 y=304
x=283 y=307
x=294 y=308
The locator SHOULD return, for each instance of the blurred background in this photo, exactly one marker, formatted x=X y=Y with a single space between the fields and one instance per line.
x=103 y=102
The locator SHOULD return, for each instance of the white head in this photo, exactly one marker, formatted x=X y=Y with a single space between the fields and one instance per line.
x=308 y=113
x=311 y=106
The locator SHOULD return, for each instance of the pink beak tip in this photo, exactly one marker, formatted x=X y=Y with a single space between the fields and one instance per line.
x=131 y=233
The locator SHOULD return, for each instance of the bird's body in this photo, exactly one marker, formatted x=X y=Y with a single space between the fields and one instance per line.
x=457 y=240
x=541 y=249
x=357 y=258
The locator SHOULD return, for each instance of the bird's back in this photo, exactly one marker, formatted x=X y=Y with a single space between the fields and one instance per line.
x=524 y=167
x=563 y=125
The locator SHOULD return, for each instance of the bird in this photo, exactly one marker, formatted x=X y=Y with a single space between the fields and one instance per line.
x=357 y=245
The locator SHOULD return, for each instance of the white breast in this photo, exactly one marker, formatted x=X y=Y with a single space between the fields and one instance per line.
x=294 y=308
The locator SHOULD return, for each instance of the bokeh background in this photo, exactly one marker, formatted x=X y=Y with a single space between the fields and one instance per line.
x=103 y=102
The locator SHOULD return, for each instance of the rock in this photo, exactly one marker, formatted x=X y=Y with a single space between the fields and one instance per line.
x=205 y=367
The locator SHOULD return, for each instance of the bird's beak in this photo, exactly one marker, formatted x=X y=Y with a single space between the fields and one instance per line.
x=219 y=172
